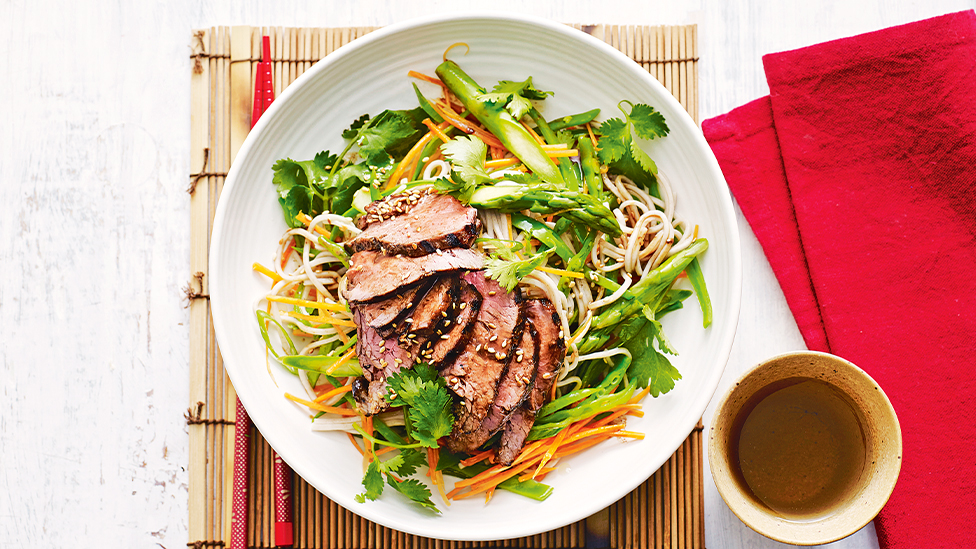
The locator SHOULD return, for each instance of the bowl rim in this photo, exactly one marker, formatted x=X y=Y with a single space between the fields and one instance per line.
x=710 y=164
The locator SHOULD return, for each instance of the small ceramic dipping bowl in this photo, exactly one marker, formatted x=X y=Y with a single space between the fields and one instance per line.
x=805 y=448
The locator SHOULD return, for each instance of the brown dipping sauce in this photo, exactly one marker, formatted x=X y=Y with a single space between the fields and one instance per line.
x=799 y=448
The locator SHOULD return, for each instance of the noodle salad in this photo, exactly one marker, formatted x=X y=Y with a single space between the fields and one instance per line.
x=571 y=213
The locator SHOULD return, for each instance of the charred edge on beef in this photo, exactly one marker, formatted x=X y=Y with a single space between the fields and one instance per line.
x=436 y=222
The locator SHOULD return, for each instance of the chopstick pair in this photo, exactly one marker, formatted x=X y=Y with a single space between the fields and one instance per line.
x=283 y=533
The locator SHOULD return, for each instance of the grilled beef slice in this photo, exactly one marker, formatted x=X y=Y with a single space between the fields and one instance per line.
x=382 y=314
x=380 y=358
x=433 y=308
x=454 y=333
x=391 y=206
x=475 y=373
x=513 y=388
x=436 y=222
x=539 y=314
x=373 y=275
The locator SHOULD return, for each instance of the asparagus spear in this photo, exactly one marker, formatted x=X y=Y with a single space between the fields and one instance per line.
x=646 y=292
x=515 y=197
x=499 y=122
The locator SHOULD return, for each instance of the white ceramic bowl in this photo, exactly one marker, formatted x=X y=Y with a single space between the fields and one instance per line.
x=371 y=75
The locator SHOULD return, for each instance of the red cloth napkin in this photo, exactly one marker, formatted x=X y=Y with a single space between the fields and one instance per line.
x=858 y=176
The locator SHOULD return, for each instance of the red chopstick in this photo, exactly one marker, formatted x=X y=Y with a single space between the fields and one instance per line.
x=283 y=534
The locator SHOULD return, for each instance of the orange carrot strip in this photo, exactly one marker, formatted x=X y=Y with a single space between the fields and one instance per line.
x=321 y=407
x=385 y=449
x=552 y=450
x=629 y=434
x=342 y=360
x=589 y=130
x=562 y=153
x=452 y=117
x=368 y=427
x=436 y=131
x=425 y=78
x=477 y=458
x=333 y=392
x=480 y=476
x=640 y=396
x=534 y=135
x=352 y=439
x=694 y=235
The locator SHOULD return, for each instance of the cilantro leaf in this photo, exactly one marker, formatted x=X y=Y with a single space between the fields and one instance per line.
x=509 y=272
x=467 y=156
x=428 y=400
x=614 y=141
x=389 y=136
x=648 y=367
x=353 y=129
x=373 y=481
x=516 y=96
x=415 y=490
x=293 y=180
x=411 y=460
x=647 y=122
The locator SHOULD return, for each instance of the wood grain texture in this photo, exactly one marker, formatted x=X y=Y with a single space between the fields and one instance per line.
x=95 y=246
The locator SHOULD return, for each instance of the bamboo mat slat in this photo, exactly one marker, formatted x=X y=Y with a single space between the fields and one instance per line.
x=664 y=512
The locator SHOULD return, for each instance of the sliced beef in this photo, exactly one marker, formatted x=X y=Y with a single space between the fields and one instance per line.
x=380 y=358
x=382 y=314
x=391 y=206
x=435 y=222
x=540 y=314
x=373 y=275
x=433 y=308
x=454 y=333
x=513 y=389
x=475 y=373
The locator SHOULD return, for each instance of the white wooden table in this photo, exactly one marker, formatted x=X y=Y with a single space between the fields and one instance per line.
x=94 y=237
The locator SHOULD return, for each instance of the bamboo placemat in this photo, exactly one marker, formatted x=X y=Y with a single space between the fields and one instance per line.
x=666 y=511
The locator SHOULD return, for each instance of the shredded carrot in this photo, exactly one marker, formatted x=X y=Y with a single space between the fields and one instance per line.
x=535 y=136
x=368 y=427
x=413 y=155
x=694 y=236
x=640 y=395
x=432 y=456
x=436 y=130
x=478 y=458
x=496 y=153
x=488 y=494
x=287 y=254
x=336 y=391
x=452 y=117
x=537 y=476
x=335 y=307
x=352 y=439
x=589 y=130
x=385 y=449
x=266 y=272
x=425 y=78
x=565 y=153
x=342 y=360
x=551 y=451
x=321 y=407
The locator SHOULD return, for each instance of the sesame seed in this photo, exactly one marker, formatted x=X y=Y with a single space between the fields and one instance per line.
x=546 y=375
x=398 y=361
x=463 y=305
x=445 y=336
x=491 y=292
x=410 y=321
x=478 y=348
x=493 y=337
x=560 y=334
x=500 y=356
x=504 y=344
x=444 y=314
x=518 y=358
x=447 y=323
